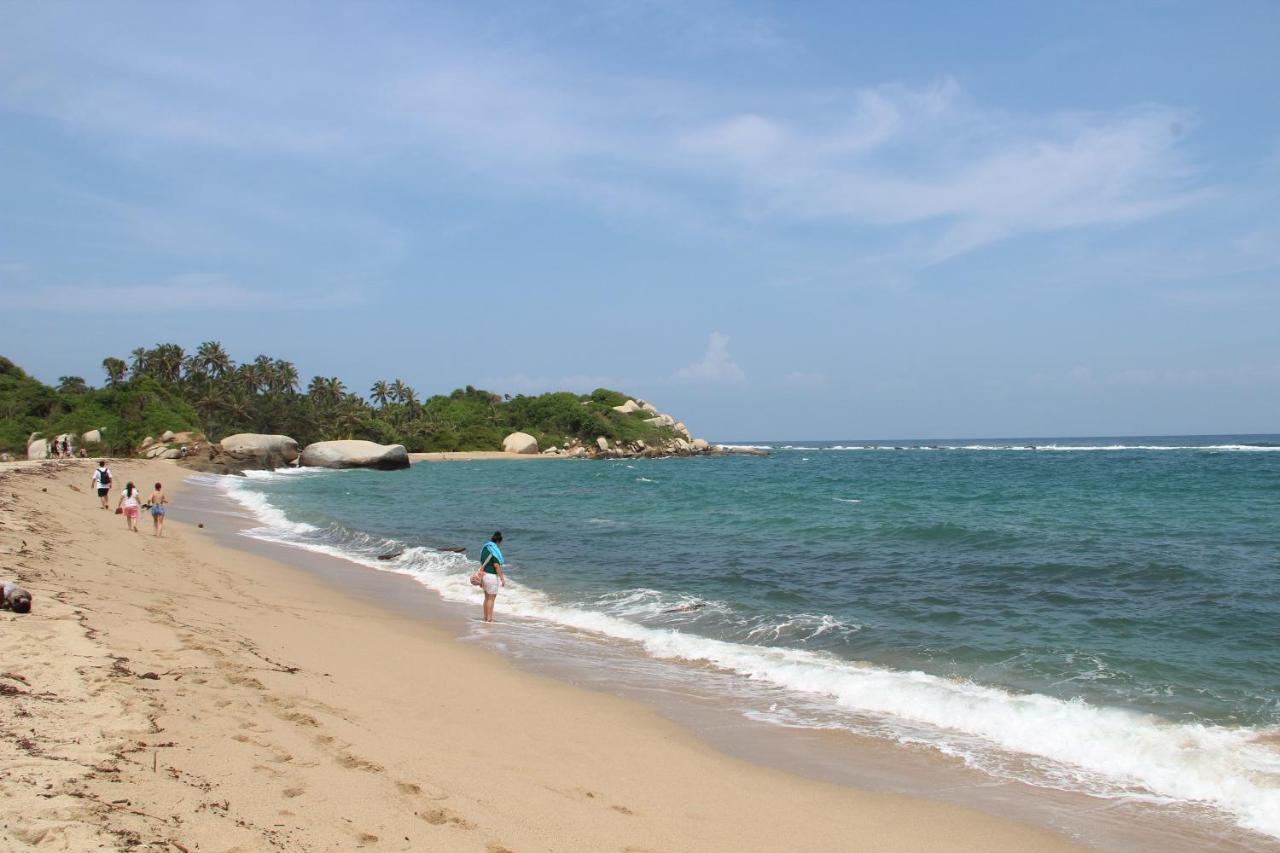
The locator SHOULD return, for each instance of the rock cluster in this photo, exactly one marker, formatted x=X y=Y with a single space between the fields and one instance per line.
x=682 y=444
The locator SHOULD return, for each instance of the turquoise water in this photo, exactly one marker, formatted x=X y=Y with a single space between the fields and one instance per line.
x=1098 y=614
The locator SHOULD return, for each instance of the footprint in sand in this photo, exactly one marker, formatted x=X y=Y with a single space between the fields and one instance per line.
x=444 y=817
x=355 y=762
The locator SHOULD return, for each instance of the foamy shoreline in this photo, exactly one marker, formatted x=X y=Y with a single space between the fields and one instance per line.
x=176 y=690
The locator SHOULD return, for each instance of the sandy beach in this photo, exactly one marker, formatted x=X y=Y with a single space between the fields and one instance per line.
x=179 y=694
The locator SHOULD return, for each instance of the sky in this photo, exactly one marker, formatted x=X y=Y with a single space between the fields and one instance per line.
x=772 y=220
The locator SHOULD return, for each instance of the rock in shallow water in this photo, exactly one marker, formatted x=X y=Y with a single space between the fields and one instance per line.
x=355 y=454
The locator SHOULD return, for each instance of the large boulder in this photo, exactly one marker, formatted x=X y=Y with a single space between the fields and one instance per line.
x=520 y=442
x=701 y=444
x=93 y=436
x=627 y=407
x=355 y=454
x=269 y=451
x=167 y=435
x=648 y=407
x=602 y=442
x=38 y=448
x=156 y=451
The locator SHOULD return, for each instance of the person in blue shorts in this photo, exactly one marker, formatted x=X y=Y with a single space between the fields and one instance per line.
x=491 y=562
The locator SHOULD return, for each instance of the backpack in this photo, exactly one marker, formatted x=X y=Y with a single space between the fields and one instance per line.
x=104 y=477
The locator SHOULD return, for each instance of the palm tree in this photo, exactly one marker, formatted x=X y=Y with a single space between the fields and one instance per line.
x=285 y=377
x=116 y=369
x=411 y=403
x=166 y=361
x=138 y=359
x=380 y=393
x=72 y=385
x=399 y=390
x=213 y=359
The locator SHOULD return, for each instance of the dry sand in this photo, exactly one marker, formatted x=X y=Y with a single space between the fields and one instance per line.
x=184 y=695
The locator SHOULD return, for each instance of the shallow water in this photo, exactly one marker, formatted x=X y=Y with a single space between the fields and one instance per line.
x=1091 y=615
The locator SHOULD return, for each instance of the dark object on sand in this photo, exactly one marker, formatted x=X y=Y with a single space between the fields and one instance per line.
x=455 y=549
x=200 y=525
x=15 y=598
x=390 y=556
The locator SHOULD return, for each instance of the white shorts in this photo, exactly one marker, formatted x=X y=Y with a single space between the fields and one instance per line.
x=490 y=584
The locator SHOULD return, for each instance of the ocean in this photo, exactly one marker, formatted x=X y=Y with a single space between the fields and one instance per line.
x=1100 y=616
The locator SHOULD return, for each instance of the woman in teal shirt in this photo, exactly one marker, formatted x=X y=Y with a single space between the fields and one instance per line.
x=491 y=561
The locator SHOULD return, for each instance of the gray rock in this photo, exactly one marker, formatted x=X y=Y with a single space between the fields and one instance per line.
x=171 y=453
x=602 y=443
x=269 y=451
x=701 y=444
x=520 y=442
x=167 y=435
x=627 y=407
x=93 y=436
x=38 y=449
x=355 y=454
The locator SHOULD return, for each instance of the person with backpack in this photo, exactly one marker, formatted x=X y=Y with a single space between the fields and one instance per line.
x=102 y=482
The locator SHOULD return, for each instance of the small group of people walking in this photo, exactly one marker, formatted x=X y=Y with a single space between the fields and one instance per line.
x=130 y=504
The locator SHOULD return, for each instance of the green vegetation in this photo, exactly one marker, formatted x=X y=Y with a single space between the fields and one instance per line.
x=166 y=388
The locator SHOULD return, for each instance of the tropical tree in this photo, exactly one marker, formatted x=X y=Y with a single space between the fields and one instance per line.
x=165 y=362
x=72 y=385
x=138 y=359
x=213 y=360
x=116 y=370
x=380 y=393
x=284 y=377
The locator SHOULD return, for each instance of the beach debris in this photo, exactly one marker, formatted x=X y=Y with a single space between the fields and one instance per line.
x=200 y=525
x=686 y=608
x=455 y=549
x=390 y=556
x=15 y=598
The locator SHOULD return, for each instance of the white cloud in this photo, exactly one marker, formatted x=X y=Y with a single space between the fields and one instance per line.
x=919 y=160
x=716 y=364
x=188 y=291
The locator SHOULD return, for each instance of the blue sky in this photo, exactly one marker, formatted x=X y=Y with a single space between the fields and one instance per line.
x=773 y=220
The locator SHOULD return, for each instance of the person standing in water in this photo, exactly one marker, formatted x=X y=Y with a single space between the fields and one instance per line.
x=130 y=501
x=491 y=562
x=157 y=502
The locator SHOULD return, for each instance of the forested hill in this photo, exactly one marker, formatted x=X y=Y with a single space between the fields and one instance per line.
x=166 y=388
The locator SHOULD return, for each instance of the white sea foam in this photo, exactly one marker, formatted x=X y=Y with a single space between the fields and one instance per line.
x=1104 y=751
x=1056 y=448
x=848 y=500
